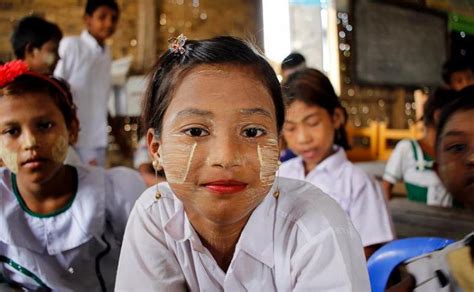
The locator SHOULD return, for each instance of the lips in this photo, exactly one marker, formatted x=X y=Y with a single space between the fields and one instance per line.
x=34 y=162
x=309 y=154
x=225 y=186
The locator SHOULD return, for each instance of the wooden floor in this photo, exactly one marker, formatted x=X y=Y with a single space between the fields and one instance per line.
x=416 y=219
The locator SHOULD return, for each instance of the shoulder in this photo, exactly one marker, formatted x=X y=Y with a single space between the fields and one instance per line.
x=404 y=145
x=290 y=167
x=5 y=184
x=166 y=201
x=308 y=207
x=70 y=42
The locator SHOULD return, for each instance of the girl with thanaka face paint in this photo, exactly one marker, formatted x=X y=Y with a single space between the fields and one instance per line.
x=60 y=226
x=224 y=220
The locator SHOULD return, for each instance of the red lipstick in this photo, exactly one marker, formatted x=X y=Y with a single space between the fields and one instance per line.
x=225 y=186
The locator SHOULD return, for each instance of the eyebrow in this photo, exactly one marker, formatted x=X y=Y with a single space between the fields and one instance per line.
x=305 y=118
x=193 y=112
x=256 y=111
x=453 y=133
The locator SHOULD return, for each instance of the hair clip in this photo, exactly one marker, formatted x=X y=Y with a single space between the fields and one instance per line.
x=177 y=44
x=11 y=70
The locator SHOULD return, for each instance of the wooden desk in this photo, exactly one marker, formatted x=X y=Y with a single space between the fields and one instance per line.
x=416 y=219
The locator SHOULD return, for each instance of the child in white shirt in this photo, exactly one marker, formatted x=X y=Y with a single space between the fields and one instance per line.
x=222 y=222
x=314 y=131
x=61 y=226
x=85 y=64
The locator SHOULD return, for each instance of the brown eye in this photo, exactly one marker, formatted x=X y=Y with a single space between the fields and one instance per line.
x=196 y=132
x=253 y=132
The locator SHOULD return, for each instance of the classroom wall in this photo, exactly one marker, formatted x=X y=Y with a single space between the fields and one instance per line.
x=197 y=19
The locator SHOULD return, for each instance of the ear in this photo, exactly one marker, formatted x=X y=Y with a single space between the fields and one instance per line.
x=29 y=50
x=338 y=118
x=153 y=145
x=73 y=131
x=86 y=19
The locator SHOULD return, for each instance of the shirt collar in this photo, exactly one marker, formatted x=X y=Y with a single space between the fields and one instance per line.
x=91 y=41
x=82 y=221
x=256 y=238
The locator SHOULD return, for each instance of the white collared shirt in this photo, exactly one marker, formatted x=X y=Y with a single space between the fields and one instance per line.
x=356 y=192
x=86 y=66
x=67 y=251
x=301 y=241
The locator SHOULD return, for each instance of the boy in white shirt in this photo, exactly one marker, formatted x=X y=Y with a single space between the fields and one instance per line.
x=85 y=64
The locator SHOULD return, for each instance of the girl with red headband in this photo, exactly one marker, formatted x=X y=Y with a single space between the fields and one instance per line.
x=60 y=226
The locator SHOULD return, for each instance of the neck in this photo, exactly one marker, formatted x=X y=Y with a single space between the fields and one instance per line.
x=308 y=166
x=220 y=240
x=52 y=195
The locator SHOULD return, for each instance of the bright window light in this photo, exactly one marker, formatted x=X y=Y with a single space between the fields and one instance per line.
x=276 y=29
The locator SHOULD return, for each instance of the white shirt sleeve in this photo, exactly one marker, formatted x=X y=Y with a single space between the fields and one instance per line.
x=65 y=63
x=331 y=261
x=395 y=165
x=146 y=254
x=369 y=212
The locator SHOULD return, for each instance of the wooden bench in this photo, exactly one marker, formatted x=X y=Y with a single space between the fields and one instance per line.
x=385 y=134
x=363 y=153
x=415 y=219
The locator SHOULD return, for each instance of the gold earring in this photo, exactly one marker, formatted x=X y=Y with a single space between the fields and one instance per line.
x=156 y=166
x=276 y=194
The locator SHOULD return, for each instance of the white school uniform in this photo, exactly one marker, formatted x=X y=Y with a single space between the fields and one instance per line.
x=73 y=249
x=86 y=66
x=355 y=191
x=301 y=241
x=408 y=163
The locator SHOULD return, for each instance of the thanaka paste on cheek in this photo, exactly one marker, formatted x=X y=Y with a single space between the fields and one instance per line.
x=268 y=155
x=9 y=158
x=60 y=148
x=177 y=162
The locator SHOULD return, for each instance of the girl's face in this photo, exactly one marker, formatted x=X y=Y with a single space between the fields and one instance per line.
x=219 y=143
x=33 y=136
x=309 y=132
x=456 y=157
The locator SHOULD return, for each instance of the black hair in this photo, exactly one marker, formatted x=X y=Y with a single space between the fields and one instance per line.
x=292 y=60
x=312 y=87
x=33 y=31
x=436 y=101
x=223 y=50
x=93 y=5
x=464 y=101
x=55 y=88
x=455 y=65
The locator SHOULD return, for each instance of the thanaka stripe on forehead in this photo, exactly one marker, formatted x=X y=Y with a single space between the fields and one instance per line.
x=256 y=111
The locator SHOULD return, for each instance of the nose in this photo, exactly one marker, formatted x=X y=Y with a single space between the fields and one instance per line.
x=303 y=135
x=224 y=152
x=29 y=141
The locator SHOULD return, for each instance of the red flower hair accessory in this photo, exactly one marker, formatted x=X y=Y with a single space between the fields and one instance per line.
x=12 y=70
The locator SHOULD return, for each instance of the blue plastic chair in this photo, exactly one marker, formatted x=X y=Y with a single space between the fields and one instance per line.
x=388 y=257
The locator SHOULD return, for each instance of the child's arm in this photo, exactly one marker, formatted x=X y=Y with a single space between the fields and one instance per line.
x=332 y=259
x=387 y=189
x=67 y=50
x=395 y=167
